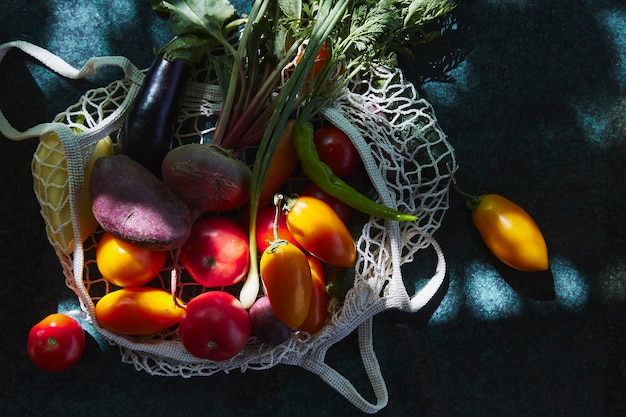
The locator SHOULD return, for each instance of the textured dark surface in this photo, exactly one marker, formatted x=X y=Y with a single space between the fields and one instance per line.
x=536 y=111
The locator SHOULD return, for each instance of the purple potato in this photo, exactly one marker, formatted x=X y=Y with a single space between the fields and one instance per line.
x=132 y=204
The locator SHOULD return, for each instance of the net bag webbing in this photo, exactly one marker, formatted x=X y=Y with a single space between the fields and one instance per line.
x=404 y=154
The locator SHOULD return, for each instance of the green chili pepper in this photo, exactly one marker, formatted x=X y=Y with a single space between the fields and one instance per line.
x=322 y=176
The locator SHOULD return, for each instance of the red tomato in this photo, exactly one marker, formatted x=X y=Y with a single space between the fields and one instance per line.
x=138 y=311
x=287 y=282
x=215 y=326
x=318 y=310
x=318 y=64
x=320 y=231
x=125 y=264
x=337 y=151
x=320 y=60
x=217 y=252
x=343 y=210
x=265 y=228
x=56 y=343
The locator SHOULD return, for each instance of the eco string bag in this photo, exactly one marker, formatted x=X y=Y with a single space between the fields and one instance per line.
x=404 y=152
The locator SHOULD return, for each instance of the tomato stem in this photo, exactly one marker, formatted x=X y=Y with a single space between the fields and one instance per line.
x=278 y=200
x=472 y=200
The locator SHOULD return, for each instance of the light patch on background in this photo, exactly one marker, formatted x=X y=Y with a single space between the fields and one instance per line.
x=446 y=93
x=571 y=288
x=70 y=35
x=614 y=24
x=502 y=4
x=488 y=296
x=597 y=119
x=613 y=282
x=448 y=309
x=65 y=26
x=589 y=118
x=71 y=307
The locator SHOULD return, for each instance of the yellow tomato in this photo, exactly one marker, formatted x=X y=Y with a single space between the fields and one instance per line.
x=126 y=265
x=287 y=282
x=138 y=311
x=320 y=231
x=510 y=233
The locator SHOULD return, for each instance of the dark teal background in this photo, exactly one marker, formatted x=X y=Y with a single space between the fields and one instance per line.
x=536 y=110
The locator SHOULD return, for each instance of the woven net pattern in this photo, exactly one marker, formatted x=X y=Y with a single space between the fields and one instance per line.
x=405 y=155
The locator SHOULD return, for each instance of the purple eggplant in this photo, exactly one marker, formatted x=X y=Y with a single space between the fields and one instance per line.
x=148 y=131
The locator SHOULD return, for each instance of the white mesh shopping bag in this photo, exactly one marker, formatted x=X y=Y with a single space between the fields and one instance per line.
x=404 y=153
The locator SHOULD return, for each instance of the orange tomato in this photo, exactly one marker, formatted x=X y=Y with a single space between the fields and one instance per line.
x=318 y=309
x=126 y=265
x=510 y=233
x=286 y=277
x=318 y=64
x=138 y=311
x=283 y=164
x=320 y=231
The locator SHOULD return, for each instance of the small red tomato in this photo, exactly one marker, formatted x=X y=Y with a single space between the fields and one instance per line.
x=265 y=228
x=336 y=150
x=318 y=310
x=318 y=64
x=320 y=231
x=343 y=210
x=320 y=59
x=56 y=343
x=125 y=264
x=287 y=282
x=217 y=252
x=215 y=326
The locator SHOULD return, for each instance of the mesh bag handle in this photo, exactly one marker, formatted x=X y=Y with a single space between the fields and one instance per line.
x=76 y=145
x=314 y=362
x=61 y=67
x=403 y=152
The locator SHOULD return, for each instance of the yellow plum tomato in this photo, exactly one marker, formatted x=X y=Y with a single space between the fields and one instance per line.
x=286 y=277
x=138 y=311
x=320 y=231
x=510 y=233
